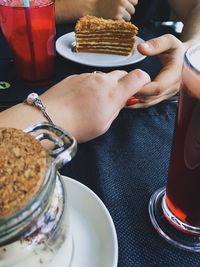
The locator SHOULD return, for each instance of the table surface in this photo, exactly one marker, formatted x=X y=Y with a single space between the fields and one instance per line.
x=124 y=166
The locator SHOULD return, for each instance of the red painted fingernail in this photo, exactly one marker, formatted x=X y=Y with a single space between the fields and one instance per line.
x=132 y=101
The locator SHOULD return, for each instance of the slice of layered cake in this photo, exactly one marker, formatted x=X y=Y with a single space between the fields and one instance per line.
x=98 y=35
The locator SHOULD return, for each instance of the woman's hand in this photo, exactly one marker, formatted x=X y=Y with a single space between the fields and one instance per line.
x=116 y=9
x=167 y=82
x=109 y=9
x=86 y=104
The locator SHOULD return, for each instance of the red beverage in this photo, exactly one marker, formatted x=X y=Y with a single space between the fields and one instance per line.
x=30 y=33
x=183 y=187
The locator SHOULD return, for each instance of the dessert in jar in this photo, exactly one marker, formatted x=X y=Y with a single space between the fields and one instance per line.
x=34 y=219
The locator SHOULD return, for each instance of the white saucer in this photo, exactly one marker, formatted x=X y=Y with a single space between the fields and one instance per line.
x=93 y=230
x=64 y=46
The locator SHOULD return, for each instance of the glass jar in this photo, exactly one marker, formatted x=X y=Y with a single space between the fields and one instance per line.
x=39 y=233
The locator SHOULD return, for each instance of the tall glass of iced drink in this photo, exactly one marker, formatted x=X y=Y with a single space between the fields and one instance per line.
x=175 y=211
x=30 y=32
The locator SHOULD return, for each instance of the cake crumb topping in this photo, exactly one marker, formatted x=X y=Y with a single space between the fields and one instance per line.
x=92 y=22
x=22 y=169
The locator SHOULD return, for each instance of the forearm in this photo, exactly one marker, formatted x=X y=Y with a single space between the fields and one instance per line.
x=67 y=10
x=191 y=33
x=84 y=105
x=20 y=116
x=23 y=115
x=188 y=11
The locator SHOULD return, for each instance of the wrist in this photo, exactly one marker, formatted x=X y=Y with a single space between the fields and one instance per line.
x=60 y=114
x=20 y=116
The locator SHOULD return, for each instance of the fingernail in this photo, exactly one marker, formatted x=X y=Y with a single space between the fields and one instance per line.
x=132 y=101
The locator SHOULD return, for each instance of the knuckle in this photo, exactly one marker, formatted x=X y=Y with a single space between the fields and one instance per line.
x=118 y=15
x=158 y=91
x=128 y=17
x=155 y=43
x=99 y=78
x=132 y=11
x=124 y=72
x=140 y=74
x=133 y=2
x=172 y=39
x=170 y=36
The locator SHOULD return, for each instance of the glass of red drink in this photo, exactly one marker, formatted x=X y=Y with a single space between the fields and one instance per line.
x=30 y=32
x=175 y=211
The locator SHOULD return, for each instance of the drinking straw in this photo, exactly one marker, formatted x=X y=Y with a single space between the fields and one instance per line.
x=30 y=35
x=26 y=3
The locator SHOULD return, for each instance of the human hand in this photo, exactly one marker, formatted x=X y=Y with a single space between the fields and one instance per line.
x=86 y=104
x=167 y=82
x=108 y=9
x=116 y=9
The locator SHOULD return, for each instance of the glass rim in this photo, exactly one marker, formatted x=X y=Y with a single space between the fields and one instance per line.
x=187 y=57
x=50 y=2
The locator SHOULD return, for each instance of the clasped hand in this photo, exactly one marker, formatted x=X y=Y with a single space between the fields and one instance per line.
x=167 y=82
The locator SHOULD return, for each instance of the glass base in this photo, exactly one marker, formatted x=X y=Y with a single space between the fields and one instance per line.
x=165 y=229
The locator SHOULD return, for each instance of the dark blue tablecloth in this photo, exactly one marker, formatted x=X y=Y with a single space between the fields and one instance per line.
x=124 y=166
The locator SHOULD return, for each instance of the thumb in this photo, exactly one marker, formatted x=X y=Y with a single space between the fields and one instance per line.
x=158 y=45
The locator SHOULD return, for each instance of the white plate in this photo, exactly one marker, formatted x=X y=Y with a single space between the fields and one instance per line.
x=64 y=46
x=93 y=230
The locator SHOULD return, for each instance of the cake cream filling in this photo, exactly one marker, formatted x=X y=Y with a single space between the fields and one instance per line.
x=103 y=44
x=100 y=31
x=115 y=52
x=105 y=34
x=105 y=47
x=108 y=39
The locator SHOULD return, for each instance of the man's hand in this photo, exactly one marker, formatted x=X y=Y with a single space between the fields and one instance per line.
x=167 y=82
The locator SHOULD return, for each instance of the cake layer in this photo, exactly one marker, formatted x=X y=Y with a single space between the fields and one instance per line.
x=103 y=31
x=106 y=51
x=105 y=41
x=104 y=45
x=105 y=48
x=107 y=35
x=110 y=39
